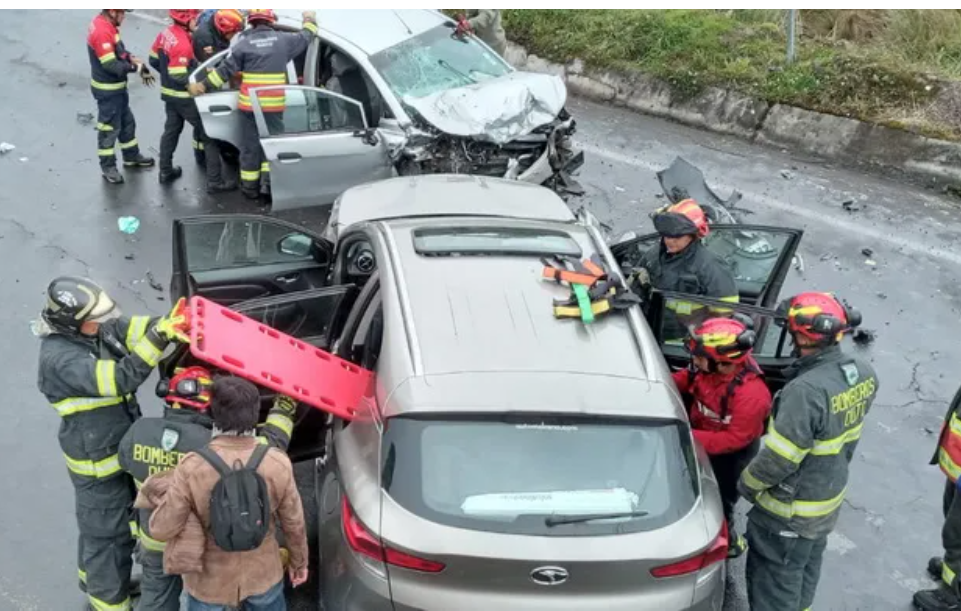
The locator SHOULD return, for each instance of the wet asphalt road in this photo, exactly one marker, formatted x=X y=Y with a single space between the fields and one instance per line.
x=58 y=217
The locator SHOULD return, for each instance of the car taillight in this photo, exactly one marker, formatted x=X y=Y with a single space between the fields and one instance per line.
x=363 y=542
x=714 y=554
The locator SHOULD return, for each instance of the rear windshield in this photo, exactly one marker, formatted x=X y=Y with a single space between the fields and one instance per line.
x=448 y=241
x=519 y=475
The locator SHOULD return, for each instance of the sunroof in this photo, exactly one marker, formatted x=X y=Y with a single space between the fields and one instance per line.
x=481 y=240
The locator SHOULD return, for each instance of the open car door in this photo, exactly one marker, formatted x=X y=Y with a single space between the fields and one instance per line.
x=773 y=350
x=235 y=258
x=759 y=257
x=318 y=147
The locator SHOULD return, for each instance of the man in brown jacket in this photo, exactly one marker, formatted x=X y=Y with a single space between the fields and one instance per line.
x=255 y=578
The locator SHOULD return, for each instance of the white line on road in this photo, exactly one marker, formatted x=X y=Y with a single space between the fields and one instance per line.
x=814 y=215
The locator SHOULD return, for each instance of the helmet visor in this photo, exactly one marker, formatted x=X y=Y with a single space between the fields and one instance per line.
x=105 y=309
x=672 y=225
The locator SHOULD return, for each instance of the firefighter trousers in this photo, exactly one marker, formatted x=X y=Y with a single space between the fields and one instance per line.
x=105 y=546
x=951 y=538
x=178 y=113
x=116 y=125
x=783 y=569
x=158 y=591
x=728 y=469
x=254 y=168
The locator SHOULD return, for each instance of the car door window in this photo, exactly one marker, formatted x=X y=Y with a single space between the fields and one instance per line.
x=759 y=257
x=310 y=316
x=211 y=64
x=306 y=111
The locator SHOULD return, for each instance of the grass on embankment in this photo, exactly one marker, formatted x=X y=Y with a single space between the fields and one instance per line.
x=893 y=67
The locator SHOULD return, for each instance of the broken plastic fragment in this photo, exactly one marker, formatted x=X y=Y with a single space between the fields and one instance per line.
x=6 y=147
x=128 y=224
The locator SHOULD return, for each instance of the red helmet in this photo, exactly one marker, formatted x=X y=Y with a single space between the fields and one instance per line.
x=228 y=21
x=722 y=340
x=681 y=219
x=183 y=16
x=819 y=316
x=261 y=14
x=190 y=387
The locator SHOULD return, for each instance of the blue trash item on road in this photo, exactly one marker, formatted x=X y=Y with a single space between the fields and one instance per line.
x=128 y=224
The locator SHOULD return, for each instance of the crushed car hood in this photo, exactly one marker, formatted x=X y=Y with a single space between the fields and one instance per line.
x=497 y=110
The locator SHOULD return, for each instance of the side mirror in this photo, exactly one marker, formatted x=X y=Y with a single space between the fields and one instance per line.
x=295 y=245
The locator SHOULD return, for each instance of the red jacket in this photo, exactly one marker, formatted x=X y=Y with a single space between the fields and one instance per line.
x=748 y=408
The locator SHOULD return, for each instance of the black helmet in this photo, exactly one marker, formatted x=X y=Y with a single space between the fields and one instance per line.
x=72 y=301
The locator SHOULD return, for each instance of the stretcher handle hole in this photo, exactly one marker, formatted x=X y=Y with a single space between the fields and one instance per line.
x=272 y=378
x=303 y=392
x=327 y=401
x=322 y=355
x=199 y=343
x=298 y=345
x=234 y=362
x=230 y=315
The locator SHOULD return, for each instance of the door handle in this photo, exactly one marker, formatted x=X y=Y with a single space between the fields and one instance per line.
x=219 y=110
x=288 y=279
x=289 y=157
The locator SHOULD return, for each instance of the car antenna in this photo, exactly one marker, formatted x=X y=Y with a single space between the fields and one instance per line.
x=401 y=19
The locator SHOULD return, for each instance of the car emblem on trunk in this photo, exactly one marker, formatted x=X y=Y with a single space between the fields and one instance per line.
x=550 y=576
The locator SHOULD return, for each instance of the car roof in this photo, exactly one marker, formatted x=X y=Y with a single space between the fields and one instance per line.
x=371 y=31
x=448 y=195
x=493 y=314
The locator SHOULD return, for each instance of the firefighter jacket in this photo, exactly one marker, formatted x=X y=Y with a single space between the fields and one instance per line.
x=261 y=55
x=948 y=454
x=172 y=55
x=695 y=271
x=109 y=61
x=208 y=41
x=155 y=445
x=799 y=479
x=727 y=412
x=92 y=382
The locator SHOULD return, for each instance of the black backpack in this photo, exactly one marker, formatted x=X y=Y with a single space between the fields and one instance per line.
x=239 y=503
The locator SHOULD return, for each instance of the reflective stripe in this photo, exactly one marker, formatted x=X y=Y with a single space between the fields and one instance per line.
x=253 y=79
x=103 y=127
x=109 y=57
x=107 y=378
x=108 y=86
x=105 y=152
x=174 y=93
x=263 y=441
x=136 y=331
x=177 y=70
x=950 y=468
x=784 y=447
x=250 y=175
x=282 y=422
x=99 y=469
x=198 y=145
x=148 y=352
x=149 y=543
x=128 y=145
x=100 y=605
x=752 y=482
x=834 y=446
x=154 y=55
x=215 y=80
x=137 y=483
x=801 y=509
x=947 y=575
x=265 y=167
x=134 y=529
x=69 y=407
x=82 y=574
x=310 y=27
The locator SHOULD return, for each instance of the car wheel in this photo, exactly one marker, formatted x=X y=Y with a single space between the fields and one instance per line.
x=327 y=503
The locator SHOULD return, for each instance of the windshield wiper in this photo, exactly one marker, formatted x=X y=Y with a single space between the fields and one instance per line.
x=592 y=517
x=444 y=64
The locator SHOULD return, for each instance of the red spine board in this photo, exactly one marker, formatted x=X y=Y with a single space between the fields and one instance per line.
x=265 y=356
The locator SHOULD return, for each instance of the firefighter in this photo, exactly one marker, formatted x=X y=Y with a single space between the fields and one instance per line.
x=92 y=360
x=799 y=478
x=486 y=25
x=680 y=263
x=172 y=55
x=261 y=54
x=212 y=36
x=728 y=403
x=947 y=596
x=156 y=445
x=110 y=63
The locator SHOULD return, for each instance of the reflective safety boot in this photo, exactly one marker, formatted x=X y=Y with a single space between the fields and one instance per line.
x=935 y=568
x=171 y=174
x=737 y=546
x=140 y=161
x=941 y=599
x=113 y=176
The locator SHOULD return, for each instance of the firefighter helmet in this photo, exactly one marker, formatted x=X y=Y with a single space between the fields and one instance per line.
x=256 y=15
x=821 y=317
x=183 y=16
x=189 y=387
x=72 y=301
x=681 y=219
x=228 y=21
x=722 y=340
